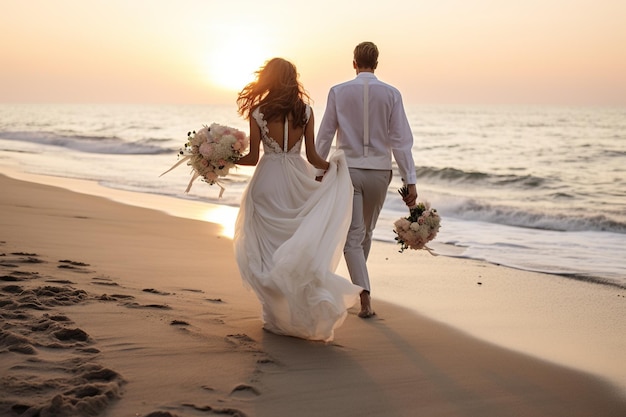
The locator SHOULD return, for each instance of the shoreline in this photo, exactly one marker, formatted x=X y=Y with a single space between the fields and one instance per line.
x=536 y=311
x=147 y=250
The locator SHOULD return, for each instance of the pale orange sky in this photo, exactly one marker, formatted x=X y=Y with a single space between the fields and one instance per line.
x=203 y=51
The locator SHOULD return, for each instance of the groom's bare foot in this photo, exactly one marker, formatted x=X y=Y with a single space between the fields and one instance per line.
x=366 y=306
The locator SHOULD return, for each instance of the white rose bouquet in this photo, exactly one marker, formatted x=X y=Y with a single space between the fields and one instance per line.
x=211 y=152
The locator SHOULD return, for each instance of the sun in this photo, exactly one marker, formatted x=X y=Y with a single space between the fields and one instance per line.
x=232 y=63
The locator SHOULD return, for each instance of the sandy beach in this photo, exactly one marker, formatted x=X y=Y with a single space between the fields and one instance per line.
x=111 y=309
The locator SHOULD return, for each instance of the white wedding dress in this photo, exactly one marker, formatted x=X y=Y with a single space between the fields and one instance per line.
x=289 y=236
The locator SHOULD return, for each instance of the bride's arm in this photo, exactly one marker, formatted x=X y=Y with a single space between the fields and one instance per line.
x=309 y=142
x=252 y=157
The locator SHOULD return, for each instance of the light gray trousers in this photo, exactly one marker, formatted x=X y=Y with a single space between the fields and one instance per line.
x=370 y=190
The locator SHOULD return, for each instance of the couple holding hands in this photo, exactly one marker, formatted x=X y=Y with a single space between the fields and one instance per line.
x=297 y=217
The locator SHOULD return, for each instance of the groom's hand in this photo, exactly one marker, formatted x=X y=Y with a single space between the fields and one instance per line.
x=411 y=198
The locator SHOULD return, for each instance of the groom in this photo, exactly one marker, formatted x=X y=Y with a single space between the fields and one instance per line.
x=371 y=125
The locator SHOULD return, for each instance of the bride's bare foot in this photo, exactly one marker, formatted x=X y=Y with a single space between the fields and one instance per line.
x=366 y=307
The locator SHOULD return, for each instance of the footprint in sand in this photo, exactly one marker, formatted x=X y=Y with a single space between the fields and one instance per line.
x=153 y=291
x=192 y=290
x=16 y=260
x=105 y=281
x=26 y=258
x=241 y=338
x=161 y=414
x=215 y=410
x=73 y=263
x=64 y=380
x=84 y=386
x=245 y=391
x=244 y=342
x=14 y=276
x=48 y=364
x=61 y=281
x=115 y=297
x=156 y=306
x=74 y=266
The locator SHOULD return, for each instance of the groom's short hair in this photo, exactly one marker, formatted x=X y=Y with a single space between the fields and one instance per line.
x=366 y=55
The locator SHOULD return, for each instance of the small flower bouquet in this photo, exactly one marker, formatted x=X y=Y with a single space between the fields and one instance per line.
x=415 y=231
x=211 y=152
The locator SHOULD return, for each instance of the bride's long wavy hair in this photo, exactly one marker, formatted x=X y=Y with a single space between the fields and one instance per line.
x=278 y=90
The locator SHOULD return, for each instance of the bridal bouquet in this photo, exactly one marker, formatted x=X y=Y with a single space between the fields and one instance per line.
x=211 y=152
x=415 y=231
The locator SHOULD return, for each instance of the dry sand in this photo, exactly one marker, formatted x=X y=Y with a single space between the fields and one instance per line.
x=115 y=310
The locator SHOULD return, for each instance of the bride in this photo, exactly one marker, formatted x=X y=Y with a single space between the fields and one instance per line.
x=291 y=228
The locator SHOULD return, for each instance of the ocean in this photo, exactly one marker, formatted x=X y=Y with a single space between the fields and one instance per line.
x=535 y=188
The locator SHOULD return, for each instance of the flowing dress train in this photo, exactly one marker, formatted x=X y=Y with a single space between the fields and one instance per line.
x=289 y=236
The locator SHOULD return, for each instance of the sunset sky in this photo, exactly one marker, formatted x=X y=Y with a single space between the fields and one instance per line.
x=204 y=51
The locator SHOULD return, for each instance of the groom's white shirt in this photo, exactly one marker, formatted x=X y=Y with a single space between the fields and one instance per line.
x=389 y=130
